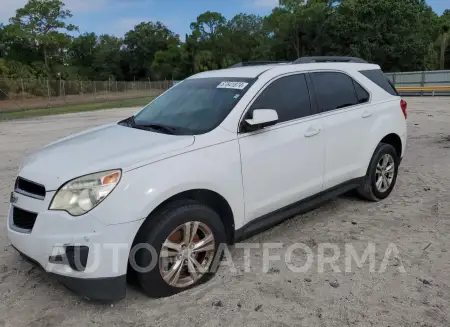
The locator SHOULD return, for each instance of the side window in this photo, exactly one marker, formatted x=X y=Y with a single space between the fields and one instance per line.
x=381 y=80
x=334 y=90
x=361 y=93
x=288 y=95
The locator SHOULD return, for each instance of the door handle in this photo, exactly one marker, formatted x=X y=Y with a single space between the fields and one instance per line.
x=312 y=131
x=366 y=114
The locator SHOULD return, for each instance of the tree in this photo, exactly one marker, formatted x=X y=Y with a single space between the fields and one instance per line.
x=299 y=28
x=204 y=60
x=395 y=34
x=207 y=31
x=243 y=37
x=108 y=57
x=208 y=25
x=39 y=23
x=444 y=37
x=167 y=64
x=2 y=41
x=401 y=35
x=141 y=45
x=82 y=53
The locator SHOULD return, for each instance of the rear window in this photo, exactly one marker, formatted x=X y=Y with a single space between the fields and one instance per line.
x=381 y=80
x=334 y=90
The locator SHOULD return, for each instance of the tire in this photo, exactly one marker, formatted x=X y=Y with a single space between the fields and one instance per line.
x=369 y=189
x=157 y=230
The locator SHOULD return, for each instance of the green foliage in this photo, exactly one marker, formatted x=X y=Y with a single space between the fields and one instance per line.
x=141 y=45
x=208 y=33
x=444 y=39
x=39 y=24
x=401 y=35
x=167 y=63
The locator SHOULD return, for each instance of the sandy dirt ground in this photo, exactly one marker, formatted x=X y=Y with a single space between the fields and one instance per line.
x=415 y=218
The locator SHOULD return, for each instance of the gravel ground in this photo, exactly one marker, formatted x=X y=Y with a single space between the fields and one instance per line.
x=415 y=218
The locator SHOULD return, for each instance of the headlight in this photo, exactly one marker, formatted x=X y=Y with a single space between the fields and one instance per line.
x=82 y=194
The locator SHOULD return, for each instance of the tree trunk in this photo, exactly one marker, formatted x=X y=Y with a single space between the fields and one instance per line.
x=443 y=48
x=297 y=44
x=46 y=60
x=47 y=71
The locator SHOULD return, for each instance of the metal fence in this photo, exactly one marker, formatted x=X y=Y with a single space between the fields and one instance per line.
x=421 y=79
x=16 y=94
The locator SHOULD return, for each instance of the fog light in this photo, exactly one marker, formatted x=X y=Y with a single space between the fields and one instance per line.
x=77 y=257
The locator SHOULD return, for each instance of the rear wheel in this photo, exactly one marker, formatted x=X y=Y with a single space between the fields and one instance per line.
x=185 y=238
x=381 y=175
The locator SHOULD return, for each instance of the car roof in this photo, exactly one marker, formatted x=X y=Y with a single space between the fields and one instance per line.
x=249 y=72
x=255 y=71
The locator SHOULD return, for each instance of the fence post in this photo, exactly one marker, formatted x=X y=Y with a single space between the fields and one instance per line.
x=95 y=89
x=23 y=90
x=81 y=88
x=422 y=82
x=48 y=91
x=394 y=78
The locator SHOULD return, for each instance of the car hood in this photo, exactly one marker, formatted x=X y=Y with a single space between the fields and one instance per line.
x=106 y=147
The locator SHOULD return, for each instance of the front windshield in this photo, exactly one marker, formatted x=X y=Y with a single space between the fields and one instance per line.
x=194 y=106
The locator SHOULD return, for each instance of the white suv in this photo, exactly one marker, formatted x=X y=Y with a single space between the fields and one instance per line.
x=219 y=156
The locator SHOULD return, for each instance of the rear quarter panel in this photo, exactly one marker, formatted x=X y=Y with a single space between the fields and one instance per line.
x=387 y=119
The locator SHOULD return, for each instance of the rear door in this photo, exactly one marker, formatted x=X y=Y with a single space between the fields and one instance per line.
x=284 y=163
x=346 y=117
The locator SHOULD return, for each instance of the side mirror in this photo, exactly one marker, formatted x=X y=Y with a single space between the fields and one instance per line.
x=261 y=118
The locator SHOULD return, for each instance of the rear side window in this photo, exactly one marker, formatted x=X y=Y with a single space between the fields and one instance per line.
x=288 y=95
x=381 y=80
x=334 y=91
x=361 y=93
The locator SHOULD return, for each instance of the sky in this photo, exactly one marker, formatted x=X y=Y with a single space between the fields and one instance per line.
x=119 y=16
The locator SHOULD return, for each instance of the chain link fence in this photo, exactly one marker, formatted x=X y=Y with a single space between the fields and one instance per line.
x=18 y=94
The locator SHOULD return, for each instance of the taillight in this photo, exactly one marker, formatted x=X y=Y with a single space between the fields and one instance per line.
x=404 y=106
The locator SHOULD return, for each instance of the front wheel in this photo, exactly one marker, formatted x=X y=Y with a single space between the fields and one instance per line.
x=381 y=175
x=185 y=238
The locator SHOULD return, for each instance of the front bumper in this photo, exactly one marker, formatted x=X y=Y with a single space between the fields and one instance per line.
x=104 y=273
x=105 y=289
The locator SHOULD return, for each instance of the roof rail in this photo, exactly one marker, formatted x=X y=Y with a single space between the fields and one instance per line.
x=259 y=63
x=309 y=60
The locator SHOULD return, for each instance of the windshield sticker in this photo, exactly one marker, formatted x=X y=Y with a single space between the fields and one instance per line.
x=236 y=96
x=232 y=85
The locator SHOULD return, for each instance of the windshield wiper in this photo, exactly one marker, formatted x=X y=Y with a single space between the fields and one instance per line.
x=157 y=127
x=131 y=122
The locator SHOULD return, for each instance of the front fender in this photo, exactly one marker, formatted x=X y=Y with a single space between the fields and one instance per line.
x=216 y=168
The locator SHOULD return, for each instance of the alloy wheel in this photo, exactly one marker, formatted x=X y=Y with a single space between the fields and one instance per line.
x=187 y=254
x=385 y=172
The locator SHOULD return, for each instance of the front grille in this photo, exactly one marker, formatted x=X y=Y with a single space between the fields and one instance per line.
x=30 y=188
x=24 y=219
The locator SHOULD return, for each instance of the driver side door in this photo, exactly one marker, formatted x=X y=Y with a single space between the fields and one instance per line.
x=283 y=163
